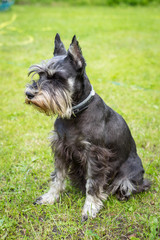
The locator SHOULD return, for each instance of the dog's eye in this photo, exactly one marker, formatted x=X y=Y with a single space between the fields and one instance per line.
x=50 y=77
x=34 y=84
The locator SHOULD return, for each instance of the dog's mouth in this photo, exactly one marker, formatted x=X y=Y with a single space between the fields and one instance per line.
x=50 y=103
x=32 y=98
x=27 y=100
x=30 y=95
x=38 y=103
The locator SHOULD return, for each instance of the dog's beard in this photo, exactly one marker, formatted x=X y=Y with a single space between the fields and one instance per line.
x=51 y=103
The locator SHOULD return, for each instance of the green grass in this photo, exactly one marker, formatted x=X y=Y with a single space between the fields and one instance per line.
x=121 y=46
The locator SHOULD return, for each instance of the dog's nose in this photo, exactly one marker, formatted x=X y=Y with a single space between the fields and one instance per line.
x=29 y=95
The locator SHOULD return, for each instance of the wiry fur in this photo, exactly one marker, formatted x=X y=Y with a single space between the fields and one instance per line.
x=95 y=148
x=75 y=157
x=51 y=100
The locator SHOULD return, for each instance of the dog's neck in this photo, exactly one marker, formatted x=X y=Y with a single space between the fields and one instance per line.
x=84 y=98
x=84 y=104
x=82 y=89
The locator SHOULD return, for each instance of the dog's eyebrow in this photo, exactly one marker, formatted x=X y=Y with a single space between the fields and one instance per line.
x=60 y=74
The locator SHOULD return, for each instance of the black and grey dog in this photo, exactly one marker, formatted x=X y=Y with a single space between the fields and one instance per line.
x=92 y=144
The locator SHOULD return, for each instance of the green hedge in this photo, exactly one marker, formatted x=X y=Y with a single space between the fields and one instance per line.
x=91 y=2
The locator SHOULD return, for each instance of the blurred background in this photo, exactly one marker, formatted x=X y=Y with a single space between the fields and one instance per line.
x=120 y=41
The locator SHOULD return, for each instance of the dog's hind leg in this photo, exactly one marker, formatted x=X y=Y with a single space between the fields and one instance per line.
x=130 y=179
x=56 y=187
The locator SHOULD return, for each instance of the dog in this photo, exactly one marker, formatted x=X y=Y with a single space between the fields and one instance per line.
x=92 y=143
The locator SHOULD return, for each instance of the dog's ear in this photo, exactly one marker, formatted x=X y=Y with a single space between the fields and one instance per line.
x=59 y=48
x=75 y=53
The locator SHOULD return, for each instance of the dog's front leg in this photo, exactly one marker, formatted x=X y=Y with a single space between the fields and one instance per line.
x=94 y=195
x=56 y=187
x=92 y=203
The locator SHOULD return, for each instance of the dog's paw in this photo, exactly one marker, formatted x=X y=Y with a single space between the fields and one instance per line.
x=38 y=201
x=91 y=207
x=47 y=198
x=84 y=218
x=89 y=210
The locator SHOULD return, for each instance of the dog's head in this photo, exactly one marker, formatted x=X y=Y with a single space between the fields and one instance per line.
x=60 y=80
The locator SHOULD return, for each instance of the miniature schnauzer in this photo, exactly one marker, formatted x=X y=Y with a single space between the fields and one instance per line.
x=92 y=144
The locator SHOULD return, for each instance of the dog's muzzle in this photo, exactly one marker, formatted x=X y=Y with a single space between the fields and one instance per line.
x=29 y=95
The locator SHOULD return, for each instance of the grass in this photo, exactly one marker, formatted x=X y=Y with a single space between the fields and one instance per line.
x=121 y=46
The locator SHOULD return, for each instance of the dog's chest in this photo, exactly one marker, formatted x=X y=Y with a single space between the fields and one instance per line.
x=70 y=144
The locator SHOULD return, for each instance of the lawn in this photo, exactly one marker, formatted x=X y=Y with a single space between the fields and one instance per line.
x=122 y=50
